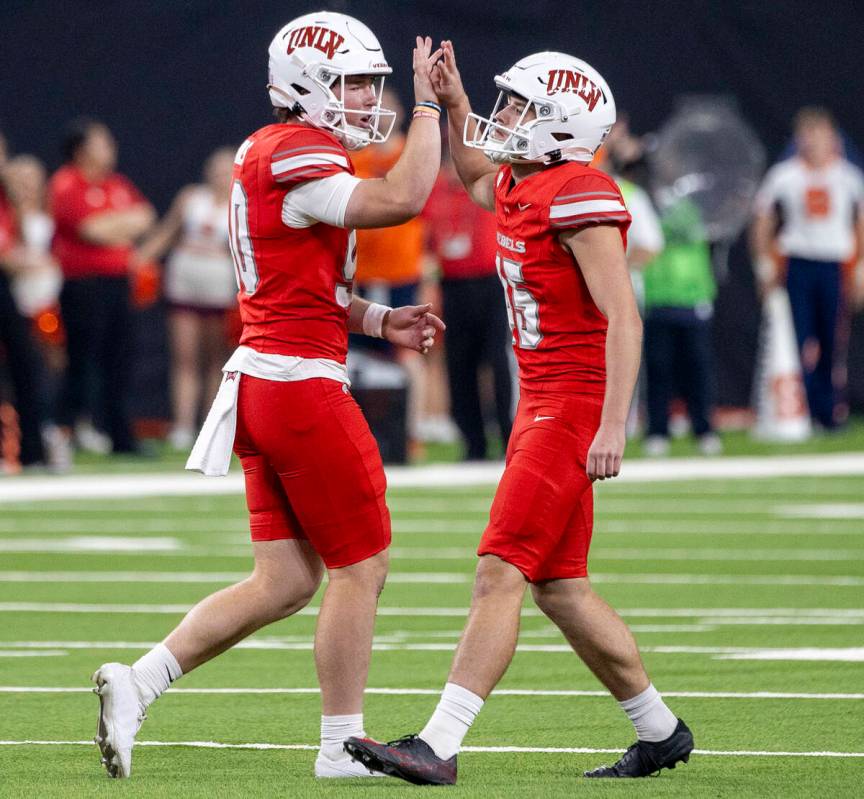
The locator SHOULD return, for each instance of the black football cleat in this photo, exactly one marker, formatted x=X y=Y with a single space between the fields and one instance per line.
x=645 y=758
x=409 y=758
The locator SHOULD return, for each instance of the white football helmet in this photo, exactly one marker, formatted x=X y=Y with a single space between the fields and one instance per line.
x=309 y=55
x=568 y=112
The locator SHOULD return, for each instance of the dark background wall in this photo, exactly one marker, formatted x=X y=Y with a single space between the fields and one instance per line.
x=176 y=79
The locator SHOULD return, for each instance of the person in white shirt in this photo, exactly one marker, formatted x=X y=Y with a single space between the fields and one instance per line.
x=808 y=212
x=199 y=288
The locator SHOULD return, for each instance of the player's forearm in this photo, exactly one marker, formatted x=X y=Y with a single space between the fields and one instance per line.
x=413 y=176
x=623 y=353
x=356 y=313
x=471 y=165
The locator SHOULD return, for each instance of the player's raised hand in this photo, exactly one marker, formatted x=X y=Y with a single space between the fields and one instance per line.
x=446 y=79
x=414 y=327
x=424 y=61
x=606 y=451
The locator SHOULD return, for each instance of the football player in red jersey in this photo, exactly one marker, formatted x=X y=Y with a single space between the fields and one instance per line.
x=576 y=332
x=314 y=479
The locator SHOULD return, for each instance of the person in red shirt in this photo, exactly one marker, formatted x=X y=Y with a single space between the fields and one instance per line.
x=315 y=483
x=561 y=236
x=461 y=237
x=98 y=214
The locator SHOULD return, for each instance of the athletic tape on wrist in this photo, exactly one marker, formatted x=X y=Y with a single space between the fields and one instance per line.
x=373 y=319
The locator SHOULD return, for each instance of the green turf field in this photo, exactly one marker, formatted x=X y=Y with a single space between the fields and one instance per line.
x=723 y=581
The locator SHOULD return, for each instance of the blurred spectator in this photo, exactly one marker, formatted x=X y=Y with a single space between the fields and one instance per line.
x=200 y=288
x=37 y=288
x=620 y=152
x=810 y=212
x=37 y=437
x=461 y=236
x=390 y=260
x=98 y=215
x=679 y=295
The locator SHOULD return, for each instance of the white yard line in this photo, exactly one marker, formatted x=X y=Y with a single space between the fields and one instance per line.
x=835 y=510
x=443 y=578
x=688 y=527
x=552 y=750
x=22 y=489
x=714 y=615
x=514 y=692
x=42 y=653
x=396 y=643
x=430 y=578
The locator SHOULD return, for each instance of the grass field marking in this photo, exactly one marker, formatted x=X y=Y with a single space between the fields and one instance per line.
x=431 y=578
x=94 y=544
x=707 y=553
x=173 y=547
x=515 y=692
x=827 y=654
x=534 y=750
x=200 y=577
x=836 y=510
x=42 y=653
x=715 y=615
x=76 y=487
x=728 y=579
x=680 y=526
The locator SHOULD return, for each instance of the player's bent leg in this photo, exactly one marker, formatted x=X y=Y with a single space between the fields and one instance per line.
x=343 y=647
x=483 y=655
x=286 y=576
x=489 y=639
x=596 y=632
x=604 y=642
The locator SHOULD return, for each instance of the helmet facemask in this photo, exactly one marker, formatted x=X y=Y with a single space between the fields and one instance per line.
x=511 y=144
x=347 y=123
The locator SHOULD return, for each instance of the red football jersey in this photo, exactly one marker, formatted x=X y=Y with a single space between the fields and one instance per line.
x=559 y=334
x=295 y=283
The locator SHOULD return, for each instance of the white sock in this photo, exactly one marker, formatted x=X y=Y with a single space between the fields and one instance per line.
x=335 y=730
x=451 y=720
x=154 y=672
x=650 y=716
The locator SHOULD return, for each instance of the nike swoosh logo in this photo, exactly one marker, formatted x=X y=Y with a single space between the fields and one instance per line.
x=542 y=418
x=522 y=208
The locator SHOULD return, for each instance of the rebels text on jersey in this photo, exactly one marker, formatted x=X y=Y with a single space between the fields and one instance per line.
x=559 y=334
x=295 y=283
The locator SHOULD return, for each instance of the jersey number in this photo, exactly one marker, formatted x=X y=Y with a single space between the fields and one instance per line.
x=245 y=268
x=522 y=308
x=343 y=290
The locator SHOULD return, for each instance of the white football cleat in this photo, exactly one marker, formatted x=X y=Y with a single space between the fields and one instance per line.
x=342 y=767
x=120 y=717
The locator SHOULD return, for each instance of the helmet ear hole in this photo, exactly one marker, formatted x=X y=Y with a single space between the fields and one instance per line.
x=559 y=136
x=301 y=90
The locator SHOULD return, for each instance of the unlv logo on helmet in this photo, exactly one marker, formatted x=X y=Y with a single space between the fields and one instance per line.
x=323 y=39
x=566 y=80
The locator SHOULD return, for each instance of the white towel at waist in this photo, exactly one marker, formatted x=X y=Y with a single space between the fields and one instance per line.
x=211 y=454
